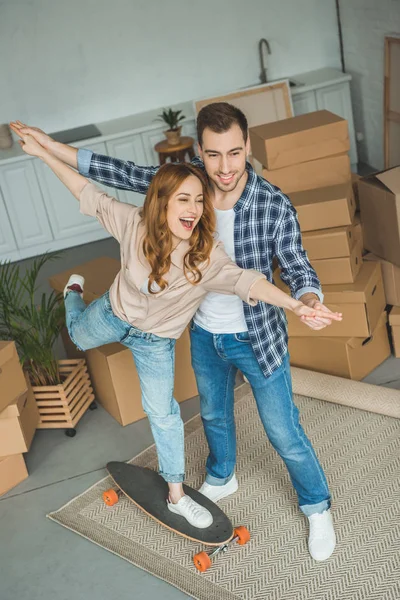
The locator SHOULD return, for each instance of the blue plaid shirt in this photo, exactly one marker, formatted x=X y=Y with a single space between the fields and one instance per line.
x=266 y=226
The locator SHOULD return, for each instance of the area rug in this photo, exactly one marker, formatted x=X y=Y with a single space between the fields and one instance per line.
x=360 y=452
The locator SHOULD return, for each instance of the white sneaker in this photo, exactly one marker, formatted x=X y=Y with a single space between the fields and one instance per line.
x=217 y=492
x=75 y=280
x=196 y=515
x=322 y=538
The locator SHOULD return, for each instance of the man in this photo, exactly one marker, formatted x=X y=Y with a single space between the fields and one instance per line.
x=256 y=223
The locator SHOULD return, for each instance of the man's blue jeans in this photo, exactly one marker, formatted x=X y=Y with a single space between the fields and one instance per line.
x=216 y=359
x=154 y=357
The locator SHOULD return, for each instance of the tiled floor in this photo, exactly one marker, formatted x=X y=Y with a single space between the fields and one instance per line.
x=40 y=559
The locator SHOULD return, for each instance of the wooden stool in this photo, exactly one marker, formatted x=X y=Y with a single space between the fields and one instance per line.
x=175 y=153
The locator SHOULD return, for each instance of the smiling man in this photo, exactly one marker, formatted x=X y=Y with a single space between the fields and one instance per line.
x=256 y=223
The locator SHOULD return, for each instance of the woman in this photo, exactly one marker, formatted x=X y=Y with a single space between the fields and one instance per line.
x=169 y=262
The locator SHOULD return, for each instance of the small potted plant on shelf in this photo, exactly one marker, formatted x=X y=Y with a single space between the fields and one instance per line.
x=172 y=118
x=62 y=388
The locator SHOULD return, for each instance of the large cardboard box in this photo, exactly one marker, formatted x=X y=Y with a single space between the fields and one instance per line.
x=18 y=423
x=352 y=358
x=116 y=382
x=380 y=214
x=299 y=139
x=329 y=243
x=361 y=304
x=12 y=471
x=323 y=172
x=394 y=320
x=391 y=279
x=12 y=379
x=324 y=208
x=339 y=270
x=99 y=274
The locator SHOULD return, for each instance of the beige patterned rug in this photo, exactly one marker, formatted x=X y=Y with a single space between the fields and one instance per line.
x=360 y=452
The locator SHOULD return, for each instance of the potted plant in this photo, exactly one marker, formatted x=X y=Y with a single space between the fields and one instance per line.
x=61 y=387
x=172 y=118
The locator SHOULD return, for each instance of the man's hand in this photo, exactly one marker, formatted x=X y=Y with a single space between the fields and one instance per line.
x=317 y=323
x=40 y=136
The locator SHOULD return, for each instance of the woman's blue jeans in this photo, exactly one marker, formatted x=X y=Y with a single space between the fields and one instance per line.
x=216 y=359
x=96 y=325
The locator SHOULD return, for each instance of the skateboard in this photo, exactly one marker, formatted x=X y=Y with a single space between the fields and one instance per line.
x=149 y=491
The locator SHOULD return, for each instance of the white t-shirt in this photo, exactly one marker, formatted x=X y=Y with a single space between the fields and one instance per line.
x=221 y=313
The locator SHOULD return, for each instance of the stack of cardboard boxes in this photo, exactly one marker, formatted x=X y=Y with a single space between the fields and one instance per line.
x=112 y=368
x=380 y=216
x=307 y=158
x=19 y=417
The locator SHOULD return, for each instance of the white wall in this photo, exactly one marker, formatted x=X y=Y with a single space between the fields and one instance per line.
x=65 y=63
x=365 y=23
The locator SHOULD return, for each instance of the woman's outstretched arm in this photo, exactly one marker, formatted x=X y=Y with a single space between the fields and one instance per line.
x=68 y=176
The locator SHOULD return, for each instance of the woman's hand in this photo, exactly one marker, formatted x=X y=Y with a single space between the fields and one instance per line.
x=308 y=314
x=40 y=136
x=31 y=146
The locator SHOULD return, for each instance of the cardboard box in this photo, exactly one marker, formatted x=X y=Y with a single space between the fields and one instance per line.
x=12 y=379
x=352 y=358
x=380 y=214
x=355 y=178
x=323 y=172
x=12 y=472
x=299 y=139
x=394 y=320
x=98 y=273
x=391 y=279
x=18 y=423
x=339 y=270
x=324 y=208
x=329 y=243
x=116 y=382
x=361 y=304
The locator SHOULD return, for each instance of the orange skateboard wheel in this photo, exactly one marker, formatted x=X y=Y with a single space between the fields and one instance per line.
x=202 y=561
x=110 y=497
x=243 y=535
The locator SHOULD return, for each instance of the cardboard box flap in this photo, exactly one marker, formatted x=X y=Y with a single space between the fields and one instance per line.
x=15 y=408
x=394 y=317
x=7 y=350
x=356 y=342
x=391 y=179
x=329 y=193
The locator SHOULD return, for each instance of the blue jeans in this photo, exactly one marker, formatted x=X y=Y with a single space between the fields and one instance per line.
x=216 y=359
x=96 y=325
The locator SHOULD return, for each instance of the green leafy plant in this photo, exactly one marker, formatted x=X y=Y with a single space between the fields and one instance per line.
x=171 y=117
x=33 y=326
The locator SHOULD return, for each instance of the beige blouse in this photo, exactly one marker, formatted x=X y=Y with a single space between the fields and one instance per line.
x=167 y=312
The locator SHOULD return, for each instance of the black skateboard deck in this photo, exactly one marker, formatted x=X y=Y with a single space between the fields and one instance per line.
x=149 y=491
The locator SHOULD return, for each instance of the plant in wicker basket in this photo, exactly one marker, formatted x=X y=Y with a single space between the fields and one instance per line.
x=34 y=326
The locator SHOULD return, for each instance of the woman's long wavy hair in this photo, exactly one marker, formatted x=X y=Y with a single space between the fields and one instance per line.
x=157 y=243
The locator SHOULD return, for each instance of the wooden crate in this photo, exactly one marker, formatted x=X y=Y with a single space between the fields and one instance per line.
x=61 y=406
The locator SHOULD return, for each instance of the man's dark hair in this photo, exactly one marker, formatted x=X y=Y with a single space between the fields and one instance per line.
x=219 y=117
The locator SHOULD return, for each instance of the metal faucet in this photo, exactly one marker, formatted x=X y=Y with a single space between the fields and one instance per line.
x=263 y=74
